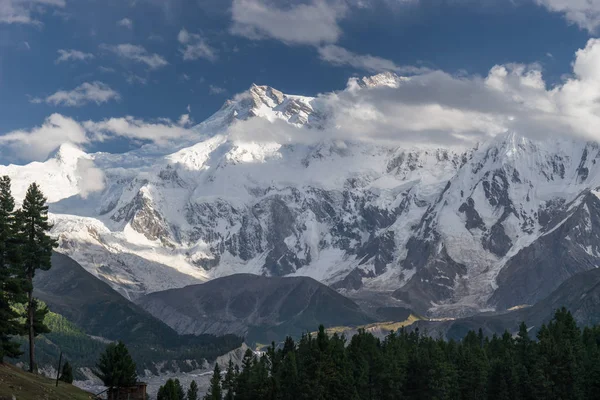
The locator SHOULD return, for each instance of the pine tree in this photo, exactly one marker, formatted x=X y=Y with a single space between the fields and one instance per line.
x=11 y=283
x=229 y=381
x=192 y=393
x=116 y=367
x=37 y=246
x=172 y=390
x=214 y=391
x=288 y=376
x=67 y=373
x=243 y=387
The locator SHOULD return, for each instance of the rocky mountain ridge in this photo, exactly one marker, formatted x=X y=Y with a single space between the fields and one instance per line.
x=444 y=231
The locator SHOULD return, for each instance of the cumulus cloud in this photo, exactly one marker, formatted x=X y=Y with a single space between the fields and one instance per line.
x=88 y=92
x=584 y=13
x=160 y=132
x=37 y=143
x=125 y=23
x=137 y=54
x=430 y=108
x=23 y=11
x=443 y=109
x=337 y=55
x=314 y=23
x=195 y=46
x=72 y=55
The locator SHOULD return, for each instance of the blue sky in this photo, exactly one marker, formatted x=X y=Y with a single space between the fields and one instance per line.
x=90 y=60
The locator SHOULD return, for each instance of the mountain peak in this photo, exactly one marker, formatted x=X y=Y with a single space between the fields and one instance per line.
x=384 y=79
x=67 y=153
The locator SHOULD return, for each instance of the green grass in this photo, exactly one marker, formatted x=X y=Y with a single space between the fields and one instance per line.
x=25 y=386
x=386 y=326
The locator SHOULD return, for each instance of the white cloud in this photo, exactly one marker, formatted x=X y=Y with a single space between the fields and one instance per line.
x=584 y=13
x=434 y=108
x=72 y=55
x=88 y=92
x=23 y=11
x=125 y=23
x=443 y=109
x=137 y=54
x=37 y=143
x=213 y=89
x=91 y=178
x=160 y=132
x=185 y=120
x=339 y=56
x=195 y=46
x=315 y=23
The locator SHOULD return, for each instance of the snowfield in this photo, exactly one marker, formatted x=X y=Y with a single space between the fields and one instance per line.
x=443 y=230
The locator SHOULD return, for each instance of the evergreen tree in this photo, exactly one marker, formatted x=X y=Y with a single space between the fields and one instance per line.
x=229 y=381
x=67 y=373
x=11 y=283
x=214 y=391
x=288 y=377
x=243 y=387
x=192 y=393
x=172 y=390
x=36 y=248
x=116 y=367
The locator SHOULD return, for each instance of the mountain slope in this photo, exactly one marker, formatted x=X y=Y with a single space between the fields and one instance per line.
x=99 y=311
x=260 y=308
x=580 y=294
x=446 y=232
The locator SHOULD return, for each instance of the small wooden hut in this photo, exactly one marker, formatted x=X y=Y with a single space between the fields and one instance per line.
x=136 y=392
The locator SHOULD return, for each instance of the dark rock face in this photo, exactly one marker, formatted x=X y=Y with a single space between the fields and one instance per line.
x=496 y=240
x=432 y=283
x=257 y=307
x=572 y=247
x=474 y=220
x=380 y=250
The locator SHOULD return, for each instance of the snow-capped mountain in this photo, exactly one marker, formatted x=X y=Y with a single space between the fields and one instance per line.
x=447 y=231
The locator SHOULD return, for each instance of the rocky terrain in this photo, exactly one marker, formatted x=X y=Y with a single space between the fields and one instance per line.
x=446 y=232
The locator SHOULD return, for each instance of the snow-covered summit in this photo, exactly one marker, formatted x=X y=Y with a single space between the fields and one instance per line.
x=438 y=227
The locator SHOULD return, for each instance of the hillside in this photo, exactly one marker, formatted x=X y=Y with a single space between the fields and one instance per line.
x=580 y=295
x=260 y=308
x=90 y=307
x=16 y=383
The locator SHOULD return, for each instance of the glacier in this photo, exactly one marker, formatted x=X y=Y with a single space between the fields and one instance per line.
x=447 y=231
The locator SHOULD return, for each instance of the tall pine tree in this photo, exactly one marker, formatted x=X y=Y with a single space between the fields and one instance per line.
x=36 y=249
x=11 y=282
x=214 y=391
x=192 y=393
